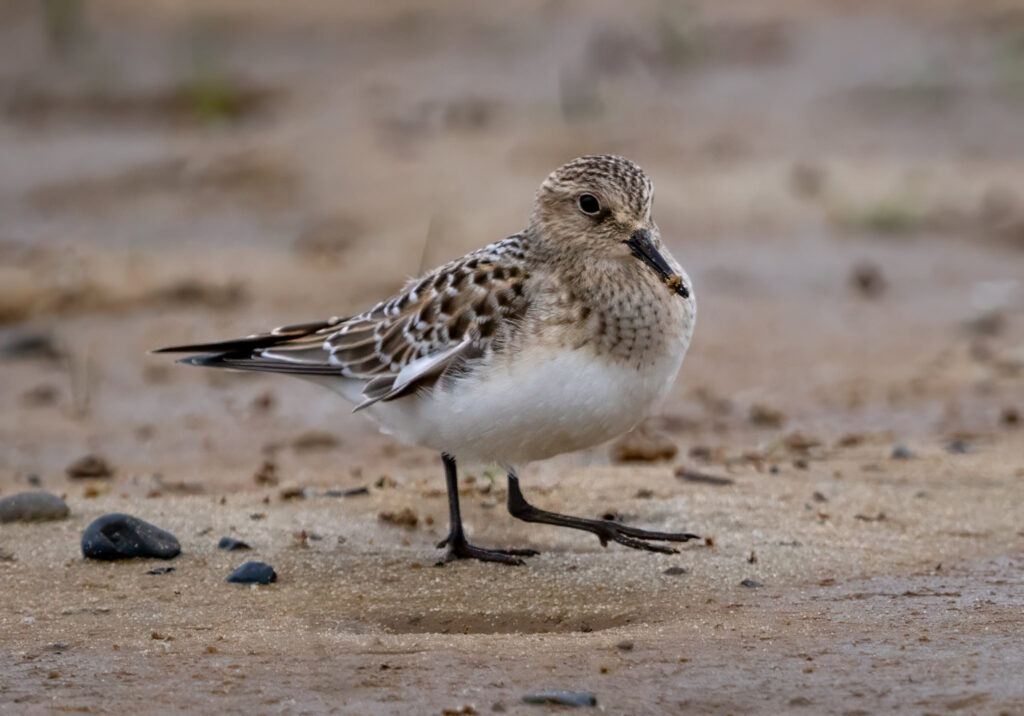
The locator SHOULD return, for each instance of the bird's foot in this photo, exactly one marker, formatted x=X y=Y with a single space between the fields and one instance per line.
x=459 y=548
x=606 y=530
x=635 y=537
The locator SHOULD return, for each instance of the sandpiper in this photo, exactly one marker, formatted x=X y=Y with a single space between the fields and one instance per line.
x=555 y=339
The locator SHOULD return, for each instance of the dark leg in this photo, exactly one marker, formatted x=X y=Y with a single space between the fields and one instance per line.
x=458 y=547
x=604 y=529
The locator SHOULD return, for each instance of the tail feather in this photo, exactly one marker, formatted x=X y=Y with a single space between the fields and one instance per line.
x=247 y=353
x=248 y=361
x=275 y=337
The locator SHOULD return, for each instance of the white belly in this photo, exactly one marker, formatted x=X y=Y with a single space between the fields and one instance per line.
x=542 y=404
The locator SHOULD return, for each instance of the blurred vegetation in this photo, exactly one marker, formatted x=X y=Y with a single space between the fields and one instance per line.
x=64 y=21
x=1010 y=65
x=208 y=92
x=893 y=215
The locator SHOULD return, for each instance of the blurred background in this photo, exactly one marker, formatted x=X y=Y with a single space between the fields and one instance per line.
x=844 y=182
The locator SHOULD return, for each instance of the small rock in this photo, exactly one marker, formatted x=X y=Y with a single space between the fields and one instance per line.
x=31 y=346
x=902 y=452
x=850 y=440
x=701 y=452
x=868 y=280
x=869 y=518
x=160 y=570
x=703 y=478
x=751 y=583
x=958 y=447
x=118 y=536
x=32 y=507
x=624 y=646
x=558 y=697
x=644 y=446
x=765 y=416
x=314 y=440
x=232 y=545
x=253 y=573
x=798 y=442
x=1010 y=417
x=674 y=571
x=264 y=402
x=290 y=492
x=404 y=518
x=351 y=492
x=89 y=466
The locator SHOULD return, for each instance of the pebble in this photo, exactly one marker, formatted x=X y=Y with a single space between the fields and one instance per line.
x=902 y=452
x=958 y=447
x=868 y=280
x=31 y=346
x=558 y=697
x=314 y=440
x=673 y=571
x=751 y=583
x=405 y=518
x=89 y=466
x=118 y=536
x=32 y=507
x=701 y=477
x=644 y=446
x=232 y=545
x=253 y=573
x=766 y=416
x=351 y=492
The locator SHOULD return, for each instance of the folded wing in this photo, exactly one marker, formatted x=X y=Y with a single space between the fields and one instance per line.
x=435 y=326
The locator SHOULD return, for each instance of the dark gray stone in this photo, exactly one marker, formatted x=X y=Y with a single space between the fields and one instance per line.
x=751 y=584
x=32 y=507
x=118 y=536
x=902 y=452
x=253 y=573
x=232 y=545
x=558 y=697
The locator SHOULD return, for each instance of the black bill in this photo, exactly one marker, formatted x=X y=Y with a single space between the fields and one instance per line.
x=642 y=247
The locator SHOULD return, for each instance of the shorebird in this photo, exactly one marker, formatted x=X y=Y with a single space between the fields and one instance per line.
x=557 y=338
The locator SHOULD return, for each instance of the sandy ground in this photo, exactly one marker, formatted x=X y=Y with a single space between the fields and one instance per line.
x=846 y=189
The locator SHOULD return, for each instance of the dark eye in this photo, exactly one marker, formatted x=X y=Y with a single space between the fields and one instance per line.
x=589 y=204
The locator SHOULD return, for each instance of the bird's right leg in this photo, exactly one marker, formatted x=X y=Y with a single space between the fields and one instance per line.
x=458 y=546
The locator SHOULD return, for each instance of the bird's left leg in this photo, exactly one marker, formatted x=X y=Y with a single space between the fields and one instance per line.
x=604 y=529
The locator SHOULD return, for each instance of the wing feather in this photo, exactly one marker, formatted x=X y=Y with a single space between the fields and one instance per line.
x=437 y=325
